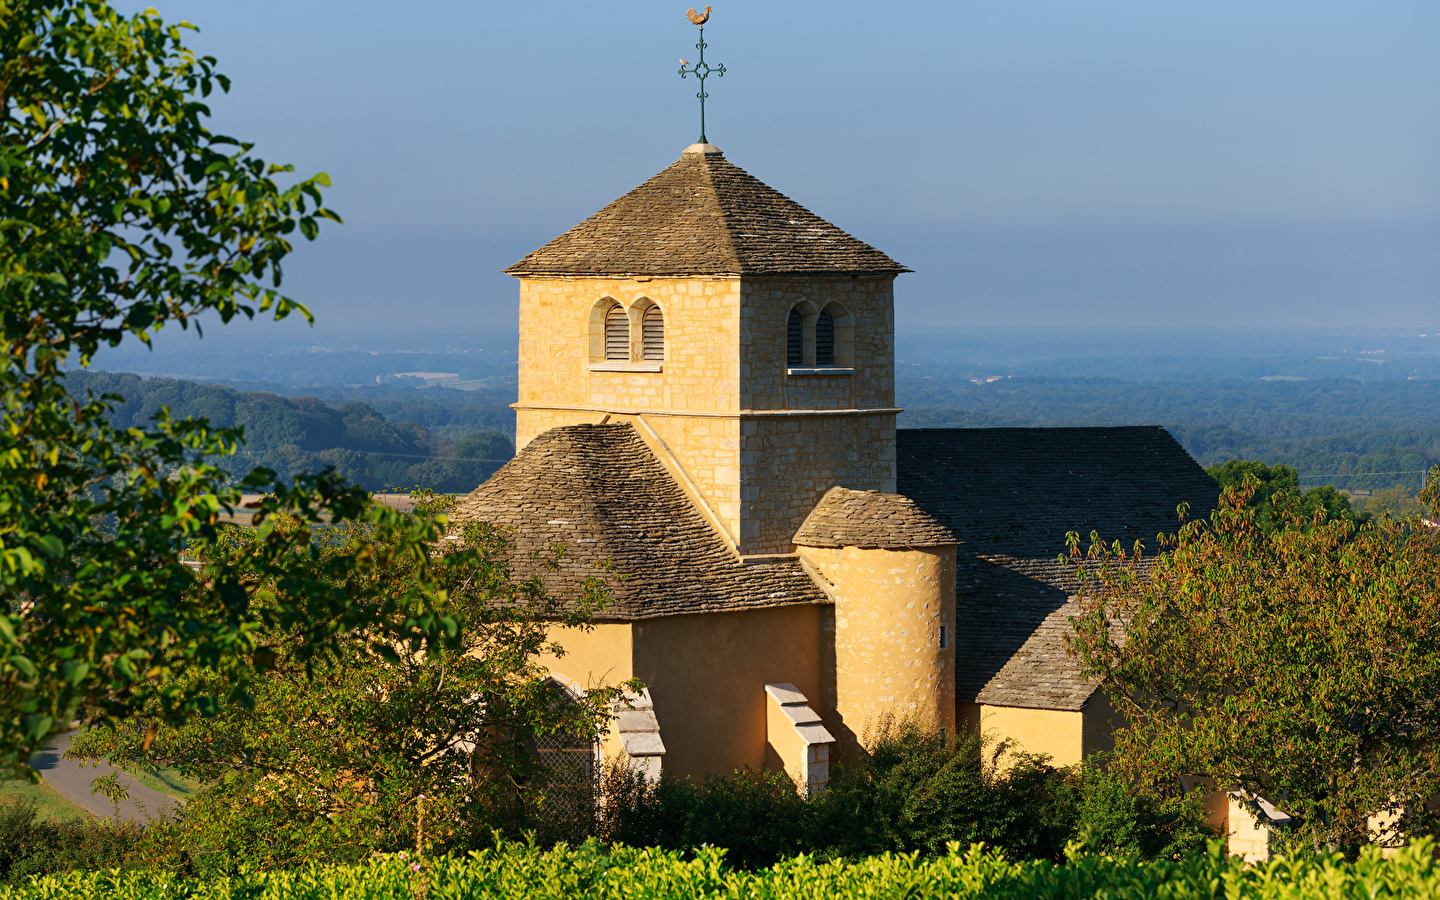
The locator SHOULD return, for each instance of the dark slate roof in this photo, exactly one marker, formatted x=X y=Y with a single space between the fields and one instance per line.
x=704 y=216
x=598 y=490
x=1010 y=495
x=870 y=520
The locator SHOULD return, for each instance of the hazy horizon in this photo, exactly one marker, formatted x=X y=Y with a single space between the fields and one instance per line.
x=1038 y=162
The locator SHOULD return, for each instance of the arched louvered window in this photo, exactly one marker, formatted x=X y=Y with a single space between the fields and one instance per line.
x=652 y=335
x=794 y=340
x=825 y=340
x=617 y=334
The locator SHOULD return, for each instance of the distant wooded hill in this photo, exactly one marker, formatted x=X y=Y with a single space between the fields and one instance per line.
x=306 y=434
x=1354 y=435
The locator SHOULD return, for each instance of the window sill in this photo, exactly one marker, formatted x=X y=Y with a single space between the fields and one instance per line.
x=617 y=366
x=819 y=370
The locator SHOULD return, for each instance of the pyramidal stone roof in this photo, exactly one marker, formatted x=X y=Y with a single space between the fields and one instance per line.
x=703 y=215
x=870 y=520
x=600 y=492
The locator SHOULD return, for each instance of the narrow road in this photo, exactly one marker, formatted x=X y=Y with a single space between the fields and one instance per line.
x=72 y=780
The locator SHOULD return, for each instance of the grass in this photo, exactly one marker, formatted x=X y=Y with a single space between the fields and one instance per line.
x=49 y=805
x=166 y=780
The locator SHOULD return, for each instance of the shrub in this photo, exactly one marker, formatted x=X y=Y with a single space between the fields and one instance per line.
x=918 y=788
x=914 y=790
x=29 y=846
x=756 y=816
x=1114 y=818
x=588 y=872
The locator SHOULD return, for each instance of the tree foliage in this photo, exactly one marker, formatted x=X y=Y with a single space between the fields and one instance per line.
x=1277 y=498
x=331 y=761
x=1299 y=665
x=120 y=213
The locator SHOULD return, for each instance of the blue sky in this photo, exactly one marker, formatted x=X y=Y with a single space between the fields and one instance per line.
x=1038 y=163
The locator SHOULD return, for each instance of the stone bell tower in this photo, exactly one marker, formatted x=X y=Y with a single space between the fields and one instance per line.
x=751 y=343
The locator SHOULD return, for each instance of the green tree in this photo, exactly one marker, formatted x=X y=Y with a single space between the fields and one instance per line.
x=332 y=762
x=120 y=213
x=1277 y=489
x=1299 y=665
x=1397 y=501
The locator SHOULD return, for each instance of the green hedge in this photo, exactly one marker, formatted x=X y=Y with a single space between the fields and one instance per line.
x=589 y=871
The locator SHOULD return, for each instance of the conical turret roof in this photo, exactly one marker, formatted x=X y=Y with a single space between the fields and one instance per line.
x=703 y=215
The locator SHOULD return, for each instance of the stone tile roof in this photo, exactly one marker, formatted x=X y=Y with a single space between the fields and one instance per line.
x=1010 y=495
x=870 y=520
x=704 y=216
x=598 y=490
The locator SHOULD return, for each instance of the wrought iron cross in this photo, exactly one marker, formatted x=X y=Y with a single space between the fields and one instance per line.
x=701 y=70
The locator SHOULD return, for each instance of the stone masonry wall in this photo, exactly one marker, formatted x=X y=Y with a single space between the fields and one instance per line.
x=722 y=382
x=561 y=321
x=560 y=324
x=866 y=343
x=788 y=463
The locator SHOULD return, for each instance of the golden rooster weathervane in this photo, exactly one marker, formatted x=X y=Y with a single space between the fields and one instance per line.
x=701 y=70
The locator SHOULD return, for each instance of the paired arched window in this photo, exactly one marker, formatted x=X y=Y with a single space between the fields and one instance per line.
x=818 y=337
x=617 y=342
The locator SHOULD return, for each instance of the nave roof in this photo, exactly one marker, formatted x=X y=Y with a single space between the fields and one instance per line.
x=1010 y=495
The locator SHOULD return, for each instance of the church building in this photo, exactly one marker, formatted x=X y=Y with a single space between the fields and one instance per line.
x=706 y=420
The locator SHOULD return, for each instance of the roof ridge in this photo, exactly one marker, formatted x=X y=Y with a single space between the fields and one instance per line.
x=724 y=222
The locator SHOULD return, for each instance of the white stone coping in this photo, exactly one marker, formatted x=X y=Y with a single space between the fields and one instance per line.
x=797 y=709
x=637 y=726
x=786 y=693
x=619 y=366
x=819 y=370
x=1272 y=815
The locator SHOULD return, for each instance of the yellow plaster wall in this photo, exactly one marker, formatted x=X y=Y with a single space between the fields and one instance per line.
x=707 y=676
x=601 y=657
x=1100 y=722
x=889 y=606
x=1060 y=734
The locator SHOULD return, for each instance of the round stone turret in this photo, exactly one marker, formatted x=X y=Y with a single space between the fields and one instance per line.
x=890 y=568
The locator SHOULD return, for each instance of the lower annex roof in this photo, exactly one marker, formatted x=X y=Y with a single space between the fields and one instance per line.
x=599 y=491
